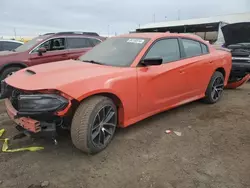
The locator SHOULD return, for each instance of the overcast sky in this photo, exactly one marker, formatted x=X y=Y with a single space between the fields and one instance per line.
x=32 y=17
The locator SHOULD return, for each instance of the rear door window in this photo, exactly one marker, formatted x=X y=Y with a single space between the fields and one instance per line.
x=73 y=43
x=191 y=48
x=167 y=49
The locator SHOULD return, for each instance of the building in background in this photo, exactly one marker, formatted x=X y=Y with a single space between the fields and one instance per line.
x=21 y=38
x=207 y=28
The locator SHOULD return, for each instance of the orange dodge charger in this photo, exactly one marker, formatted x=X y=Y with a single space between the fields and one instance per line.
x=119 y=82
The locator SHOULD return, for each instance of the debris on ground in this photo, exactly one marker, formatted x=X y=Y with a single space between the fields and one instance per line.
x=1 y=132
x=1 y=182
x=45 y=184
x=190 y=127
x=34 y=186
x=5 y=147
x=177 y=133
x=168 y=131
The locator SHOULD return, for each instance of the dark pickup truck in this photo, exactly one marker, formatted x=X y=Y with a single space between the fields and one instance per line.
x=237 y=40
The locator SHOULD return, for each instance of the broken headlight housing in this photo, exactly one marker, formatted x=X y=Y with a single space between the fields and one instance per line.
x=41 y=103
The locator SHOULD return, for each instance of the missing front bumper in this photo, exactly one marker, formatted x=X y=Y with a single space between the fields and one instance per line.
x=27 y=123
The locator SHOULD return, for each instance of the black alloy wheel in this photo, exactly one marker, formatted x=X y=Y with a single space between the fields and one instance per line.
x=103 y=126
x=217 y=88
x=94 y=123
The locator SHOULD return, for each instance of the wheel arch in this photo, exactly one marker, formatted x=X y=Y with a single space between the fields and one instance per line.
x=117 y=101
x=13 y=64
x=222 y=71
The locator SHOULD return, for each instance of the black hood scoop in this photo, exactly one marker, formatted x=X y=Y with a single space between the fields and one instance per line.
x=30 y=72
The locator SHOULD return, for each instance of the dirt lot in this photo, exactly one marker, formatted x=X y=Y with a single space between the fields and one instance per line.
x=213 y=153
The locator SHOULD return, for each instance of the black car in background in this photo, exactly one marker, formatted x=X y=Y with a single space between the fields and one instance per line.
x=237 y=40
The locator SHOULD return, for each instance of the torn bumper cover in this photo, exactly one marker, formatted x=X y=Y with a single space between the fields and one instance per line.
x=25 y=122
x=238 y=83
x=35 y=112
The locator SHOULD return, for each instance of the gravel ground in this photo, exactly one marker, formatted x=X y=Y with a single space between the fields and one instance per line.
x=213 y=152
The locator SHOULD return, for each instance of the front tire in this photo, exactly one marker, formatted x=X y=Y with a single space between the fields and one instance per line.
x=215 y=88
x=94 y=123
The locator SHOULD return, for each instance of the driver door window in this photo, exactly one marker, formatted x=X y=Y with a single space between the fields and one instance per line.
x=167 y=49
x=52 y=45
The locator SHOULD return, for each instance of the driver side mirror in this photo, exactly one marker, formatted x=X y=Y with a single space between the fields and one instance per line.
x=152 y=61
x=41 y=50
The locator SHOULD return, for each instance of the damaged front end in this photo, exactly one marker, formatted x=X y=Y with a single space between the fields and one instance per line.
x=35 y=112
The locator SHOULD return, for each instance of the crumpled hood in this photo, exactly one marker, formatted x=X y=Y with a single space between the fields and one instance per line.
x=236 y=33
x=58 y=75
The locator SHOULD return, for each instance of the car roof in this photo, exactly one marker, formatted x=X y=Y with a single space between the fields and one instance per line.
x=74 y=34
x=15 y=41
x=77 y=35
x=156 y=35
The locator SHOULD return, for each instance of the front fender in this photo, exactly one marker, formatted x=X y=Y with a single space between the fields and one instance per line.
x=96 y=92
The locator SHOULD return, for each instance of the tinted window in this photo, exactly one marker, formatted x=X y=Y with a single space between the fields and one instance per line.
x=10 y=45
x=79 y=43
x=192 y=48
x=117 y=51
x=204 y=48
x=52 y=45
x=168 y=49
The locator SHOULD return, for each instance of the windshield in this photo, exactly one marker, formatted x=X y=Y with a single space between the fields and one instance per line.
x=119 y=52
x=30 y=44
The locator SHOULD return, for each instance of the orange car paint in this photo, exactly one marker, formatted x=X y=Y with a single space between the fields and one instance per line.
x=142 y=91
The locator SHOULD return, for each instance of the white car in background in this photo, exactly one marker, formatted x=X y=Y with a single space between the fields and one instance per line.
x=9 y=45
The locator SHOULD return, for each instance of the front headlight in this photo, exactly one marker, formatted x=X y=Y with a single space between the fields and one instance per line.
x=41 y=103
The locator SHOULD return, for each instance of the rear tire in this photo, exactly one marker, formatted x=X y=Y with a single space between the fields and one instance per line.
x=94 y=123
x=215 y=88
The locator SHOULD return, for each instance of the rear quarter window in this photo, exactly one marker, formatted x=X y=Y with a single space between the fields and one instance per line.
x=204 y=48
